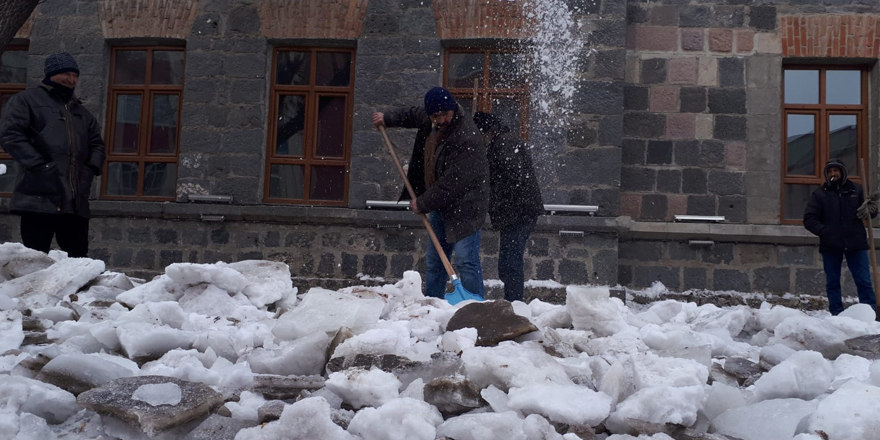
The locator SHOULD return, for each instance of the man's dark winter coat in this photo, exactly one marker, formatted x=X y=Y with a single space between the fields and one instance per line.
x=58 y=145
x=516 y=196
x=831 y=214
x=461 y=188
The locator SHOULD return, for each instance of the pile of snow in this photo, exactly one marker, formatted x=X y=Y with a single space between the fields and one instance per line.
x=595 y=365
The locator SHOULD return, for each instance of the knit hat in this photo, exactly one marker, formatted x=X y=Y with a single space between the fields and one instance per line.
x=438 y=100
x=60 y=63
x=836 y=163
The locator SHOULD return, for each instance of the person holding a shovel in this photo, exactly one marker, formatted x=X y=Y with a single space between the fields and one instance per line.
x=449 y=173
x=836 y=213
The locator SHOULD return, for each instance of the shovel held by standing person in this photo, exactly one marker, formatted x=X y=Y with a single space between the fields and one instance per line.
x=460 y=293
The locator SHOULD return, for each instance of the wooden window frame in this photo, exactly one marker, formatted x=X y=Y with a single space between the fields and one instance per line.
x=309 y=157
x=484 y=93
x=11 y=88
x=822 y=147
x=147 y=91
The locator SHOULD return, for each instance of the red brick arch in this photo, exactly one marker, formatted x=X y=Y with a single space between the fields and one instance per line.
x=334 y=19
x=483 y=19
x=853 y=36
x=147 y=18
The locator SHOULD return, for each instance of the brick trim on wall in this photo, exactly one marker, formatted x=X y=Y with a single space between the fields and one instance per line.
x=147 y=18
x=854 y=36
x=335 y=19
x=483 y=19
x=28 y=27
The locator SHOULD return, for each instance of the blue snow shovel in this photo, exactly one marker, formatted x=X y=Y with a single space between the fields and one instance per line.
x=460 y=293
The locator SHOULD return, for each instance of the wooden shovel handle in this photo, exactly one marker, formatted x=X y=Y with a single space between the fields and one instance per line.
x=412 y=195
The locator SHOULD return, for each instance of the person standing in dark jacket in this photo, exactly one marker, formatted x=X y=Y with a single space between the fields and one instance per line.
x=57 y=143
x=449 y=173
x=835 y=213
x=514 y=202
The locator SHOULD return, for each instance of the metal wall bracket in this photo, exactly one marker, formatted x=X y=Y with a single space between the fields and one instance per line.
x=212 y=218
x=700 y=218
x=571 y=233
x=207 y=198
x=381 y=226
x=701 y=243
x=586 y=209
x=387 y=204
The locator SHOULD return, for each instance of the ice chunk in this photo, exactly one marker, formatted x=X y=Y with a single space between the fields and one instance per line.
x=848 y=367
x=80 y=372
x=398 y=419
x=652 y=370
x=391 y=338
x=848 y=413
x=860 y=312
x=247 y=407
x=511 y=365
x=17 y=260
x=307 y=419
x=209 y=300
x=46 y=287
x=721 y=398
x=220 y=275
x=326 y=311
x=658 y=404
x=364 y=388
x=677 y=340
x=20 y=394
x=570 y=404
x=767 y=420
x=157 y=394
x=592 y=308
x=303 y=356
x=11 y=332
x=804 y=375
x=159 y=289
x=486 y=426
x=268 y=281
x=140 y=340
x=459 y=340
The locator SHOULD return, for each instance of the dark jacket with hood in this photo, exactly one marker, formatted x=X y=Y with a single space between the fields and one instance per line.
x=831 y=214
x=58 y=145
x=461 y=187
x=516 y=196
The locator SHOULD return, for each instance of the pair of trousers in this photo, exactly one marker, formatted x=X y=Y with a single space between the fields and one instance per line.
x=859 y=267
x=467 y=261
x=512 y=246
x=69 y=230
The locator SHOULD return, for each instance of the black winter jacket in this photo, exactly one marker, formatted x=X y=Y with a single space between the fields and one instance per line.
x=831 y=214
x=59 y=148
x=516 y=196
x=461 y=188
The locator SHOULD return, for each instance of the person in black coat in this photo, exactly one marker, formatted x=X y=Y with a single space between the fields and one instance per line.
x=449 y=173
x=836 y=213
x=515 y=199
x=57 y=143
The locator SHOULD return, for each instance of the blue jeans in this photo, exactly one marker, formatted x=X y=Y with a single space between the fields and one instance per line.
x=467 y=261
x=512 y=246
x=859 y=267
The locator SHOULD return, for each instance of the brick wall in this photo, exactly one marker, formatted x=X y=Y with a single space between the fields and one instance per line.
x=147 y=18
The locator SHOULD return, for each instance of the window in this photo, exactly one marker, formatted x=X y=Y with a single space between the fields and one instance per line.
x=491 y=80
x=13 y=79
x=310 y=117
x=824 y=117
x=143 y=123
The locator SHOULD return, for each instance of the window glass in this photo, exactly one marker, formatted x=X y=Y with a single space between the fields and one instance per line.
x=506 y=70
x=167 y=67
x=801 y=145
x=796 y=199
x=843 y=87
x=801 y=86
x=293 y=68
x=286 y=182
x=327 y=183
x=160 y=179
x=291 y=125
x=7 y=181
x=122 y=178
x=163 y=137
x=464 y=68
x=331 y=126
x=333 y=69
x=843 y=140
x=130 y=67
x=13 y=67
x=127 y=124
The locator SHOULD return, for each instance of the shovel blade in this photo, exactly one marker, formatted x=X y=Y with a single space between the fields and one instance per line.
x=461 y=294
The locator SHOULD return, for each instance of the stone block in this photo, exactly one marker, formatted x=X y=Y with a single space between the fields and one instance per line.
x=200 y=141
x=633 y=69
x=663 y=15
x=635 y=98
x=272 y=239
x=725 y=183
x=720 y=40
x=145 y=259
x=682 y=251
x=611 y=130
x=634 y=13
x=654 y=206
x=692 y=99
x=545 y=270
x=610 y=64
x=246 y=239
x=220 y=236
x=206 y=25
x=733 y=208
x=610 y=32
x=637 y=179
x=719 y=253
x=249 y=255
x=645 y=276
x=608 y=200
x=687 y=152
x=646 y=251
x=598 y=97
x=166 y=236
x=693 y=40
x=139 y=235
x=401 y=242
x=762 y=17
x=401 y=263
x=764 y=101
x=711 y=154
x=168 y=257
x=538 y=247
x=809 y=282
x=327 y=266
x=682 y=70
x=694 y=278
x=764 y=130
x=244 y=19
x=664 y=99
x=331 y=240
x=707 y=71
x=659 y=153
x=704 y=126
x=197 y=238
x=694 y=181
x=349 y=266
x=680 y=126
x=768 y=43
x=111 y=234
x=758 y=181
x=656 y=38
x=419 y=22
x=727 y=16
x=733 y=128
x=772 y=279
x=247 y=91
x=243 y=141
x=700 y=205
x=381 y=24
x=730 y=279
x=749 y=254
x=590 y=166
x=644 y=125
x=731 y=72
x=653 y=71
x=631 y=205
x=694 y=16
x=745 y=41
x=797 y=256
x=581 y=136
x=669 y=181
x=122 y=258
x=573 y=271
x=735 y=156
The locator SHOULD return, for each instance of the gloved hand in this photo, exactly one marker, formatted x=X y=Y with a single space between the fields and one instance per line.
x=868 y=207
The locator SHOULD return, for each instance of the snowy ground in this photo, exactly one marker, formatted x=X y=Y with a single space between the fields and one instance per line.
x=594 y=369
